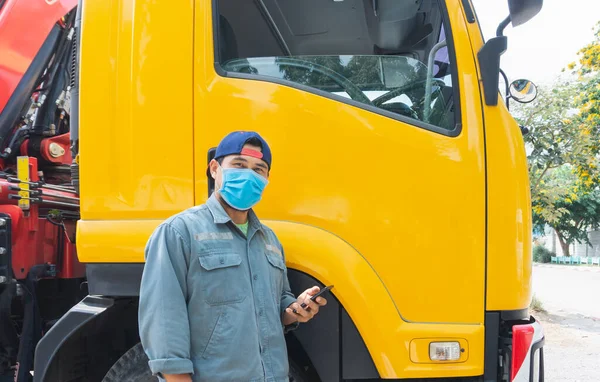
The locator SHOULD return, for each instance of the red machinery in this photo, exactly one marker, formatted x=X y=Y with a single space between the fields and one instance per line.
x=39 y=232
x=40 y=276
x=24 y=25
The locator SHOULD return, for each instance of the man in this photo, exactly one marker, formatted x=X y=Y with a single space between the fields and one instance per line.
x=215 y=298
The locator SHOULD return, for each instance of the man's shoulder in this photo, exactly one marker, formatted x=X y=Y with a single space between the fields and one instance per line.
x=271 y=235
x=267 y=230
x=193 y=216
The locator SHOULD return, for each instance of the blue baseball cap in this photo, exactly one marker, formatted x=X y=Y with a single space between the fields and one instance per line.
x=234 y=143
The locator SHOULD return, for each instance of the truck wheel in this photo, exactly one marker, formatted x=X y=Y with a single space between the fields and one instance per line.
x=131 y=367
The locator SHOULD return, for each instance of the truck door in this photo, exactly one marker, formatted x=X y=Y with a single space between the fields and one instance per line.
x=374 y=120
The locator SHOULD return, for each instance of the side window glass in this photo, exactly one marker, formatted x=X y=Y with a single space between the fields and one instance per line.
x=442 y=72
x=393 y=59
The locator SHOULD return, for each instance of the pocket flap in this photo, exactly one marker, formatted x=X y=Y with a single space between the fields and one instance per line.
x=276 y=261
x=220 y=261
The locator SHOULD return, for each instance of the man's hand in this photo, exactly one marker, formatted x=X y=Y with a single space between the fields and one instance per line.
x=295 y=312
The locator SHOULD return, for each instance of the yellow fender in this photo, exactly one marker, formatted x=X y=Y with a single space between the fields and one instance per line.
x=358 y=288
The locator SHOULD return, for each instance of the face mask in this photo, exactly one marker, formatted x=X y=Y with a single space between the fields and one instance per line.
x=242 y=188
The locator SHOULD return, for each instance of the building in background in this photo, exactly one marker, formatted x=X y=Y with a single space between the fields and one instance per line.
x=550 y=241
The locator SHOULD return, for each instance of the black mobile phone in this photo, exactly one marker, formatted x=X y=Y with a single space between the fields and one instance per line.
x=318 y=294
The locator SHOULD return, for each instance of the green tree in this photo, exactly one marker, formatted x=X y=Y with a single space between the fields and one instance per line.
x=588 y=101
x=306 y=76
x=365 y=71
x=574 y=210
x=590 y=55
x=554 y=137
x=555 y=140
x=562 y=163
x=582 y=214
x=563 y=146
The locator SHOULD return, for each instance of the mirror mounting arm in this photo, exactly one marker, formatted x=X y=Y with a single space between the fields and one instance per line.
x=502 y=26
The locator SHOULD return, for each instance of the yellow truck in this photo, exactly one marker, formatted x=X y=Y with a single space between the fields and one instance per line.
x=399 y=176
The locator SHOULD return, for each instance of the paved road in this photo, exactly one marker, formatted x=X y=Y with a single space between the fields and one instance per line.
x=571 y=296
x=568 y=289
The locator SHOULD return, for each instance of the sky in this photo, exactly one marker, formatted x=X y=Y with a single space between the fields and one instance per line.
x=541 y=48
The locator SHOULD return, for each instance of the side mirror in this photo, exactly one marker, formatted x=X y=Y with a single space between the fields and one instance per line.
x=521 y=11
x=523 y=91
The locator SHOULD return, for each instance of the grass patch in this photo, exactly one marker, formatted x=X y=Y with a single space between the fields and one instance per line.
x=542 y=254
x=536 y=305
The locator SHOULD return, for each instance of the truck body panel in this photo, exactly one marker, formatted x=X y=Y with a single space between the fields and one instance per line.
x=136 y=86
x=509 y=230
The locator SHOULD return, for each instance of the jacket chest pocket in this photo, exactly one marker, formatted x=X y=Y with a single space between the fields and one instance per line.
x=222 y=278
x=276 y=270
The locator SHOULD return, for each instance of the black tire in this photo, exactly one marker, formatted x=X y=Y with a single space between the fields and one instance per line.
x=131 y=367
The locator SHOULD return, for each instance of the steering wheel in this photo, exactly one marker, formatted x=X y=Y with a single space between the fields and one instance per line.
x=353 y=91
x=377 y=102
x=403 y=89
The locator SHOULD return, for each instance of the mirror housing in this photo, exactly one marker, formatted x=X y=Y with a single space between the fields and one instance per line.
x=521 y=11
x=489 y=66
x=523 y=91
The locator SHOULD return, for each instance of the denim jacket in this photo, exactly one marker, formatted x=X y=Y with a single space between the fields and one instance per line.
x=212 y=300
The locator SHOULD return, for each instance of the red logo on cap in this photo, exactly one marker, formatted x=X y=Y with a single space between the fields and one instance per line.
x=252 y=153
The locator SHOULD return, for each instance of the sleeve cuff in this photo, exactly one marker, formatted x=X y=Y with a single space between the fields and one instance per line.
x=285 y=302
x=171 y=366
x=291 y=327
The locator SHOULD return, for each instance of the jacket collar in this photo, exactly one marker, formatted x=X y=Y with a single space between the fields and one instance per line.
x=221 y=217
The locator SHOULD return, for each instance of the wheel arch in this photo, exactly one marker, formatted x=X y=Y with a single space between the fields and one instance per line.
x=360 y=310
x=87 y=331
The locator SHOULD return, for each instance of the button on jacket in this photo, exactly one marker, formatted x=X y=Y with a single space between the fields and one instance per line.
x=212 y=300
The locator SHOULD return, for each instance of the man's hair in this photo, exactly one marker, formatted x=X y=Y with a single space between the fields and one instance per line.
x=251 y=141
x=254 y=142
